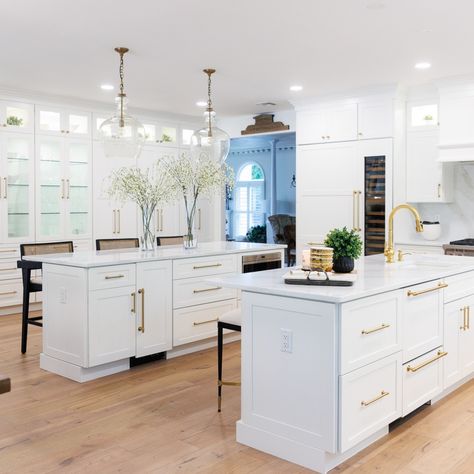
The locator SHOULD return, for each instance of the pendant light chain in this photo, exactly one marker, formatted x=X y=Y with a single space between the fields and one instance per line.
x=122 y=123
x=209 y=73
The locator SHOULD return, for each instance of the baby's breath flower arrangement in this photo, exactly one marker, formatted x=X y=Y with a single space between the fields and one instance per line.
x=147 y=188
x=194 y=177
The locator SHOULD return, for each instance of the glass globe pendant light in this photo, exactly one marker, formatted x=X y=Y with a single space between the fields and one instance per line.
x=122 y=135
x=210 y=142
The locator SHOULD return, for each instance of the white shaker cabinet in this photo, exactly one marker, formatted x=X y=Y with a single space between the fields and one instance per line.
x=427 y=179
x=375 y=119
x=154 y=307
x=16 y=116
x=17 y=179
x=58 y=121
x=456 y=117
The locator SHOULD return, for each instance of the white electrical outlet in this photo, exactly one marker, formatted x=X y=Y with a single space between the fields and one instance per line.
x=286 y=341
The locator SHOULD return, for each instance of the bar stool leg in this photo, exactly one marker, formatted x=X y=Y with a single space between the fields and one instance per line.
x=220 y=344
x=24 y=318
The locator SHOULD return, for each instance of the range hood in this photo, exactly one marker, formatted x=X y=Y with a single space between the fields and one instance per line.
x=454 y=153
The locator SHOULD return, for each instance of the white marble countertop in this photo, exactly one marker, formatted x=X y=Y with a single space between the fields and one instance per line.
x=90 y=259
x=374 y=276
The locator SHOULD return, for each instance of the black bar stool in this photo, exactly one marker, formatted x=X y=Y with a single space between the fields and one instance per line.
x=230 y=320
x=35 y=284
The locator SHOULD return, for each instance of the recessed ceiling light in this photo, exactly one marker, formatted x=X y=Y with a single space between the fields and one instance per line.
x=107 y=87
x=201 y=103
x=423 y=65
x=296 y=88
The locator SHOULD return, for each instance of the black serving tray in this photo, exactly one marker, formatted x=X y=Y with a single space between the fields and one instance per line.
x=327 y=282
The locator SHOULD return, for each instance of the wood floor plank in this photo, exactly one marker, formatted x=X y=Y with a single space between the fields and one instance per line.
x=161 y=418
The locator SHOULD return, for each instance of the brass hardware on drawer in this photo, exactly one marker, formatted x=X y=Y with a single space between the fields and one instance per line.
x=7 y=250
x=354 y=197
x=5 y=188
x=464 y=326
x=379 y=328
x=430 y=361
x=134 y=302
x=468 y=317
x=113 y=277
x=439 y=190
x=62 y=188
x=383 y=394
x=197 y=267
x=5 y=293
x=208 y=289
x=141 y=292
x=198 y=323
x=428 y=290
x=68 y=188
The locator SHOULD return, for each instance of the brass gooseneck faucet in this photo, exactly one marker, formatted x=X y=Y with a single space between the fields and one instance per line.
x=389 y=250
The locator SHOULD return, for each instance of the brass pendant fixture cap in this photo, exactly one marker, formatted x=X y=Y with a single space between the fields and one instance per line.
x=209 y=71
x=122 y=50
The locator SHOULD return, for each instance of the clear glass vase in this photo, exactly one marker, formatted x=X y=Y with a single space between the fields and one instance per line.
x=190 y=238
x=147 y=237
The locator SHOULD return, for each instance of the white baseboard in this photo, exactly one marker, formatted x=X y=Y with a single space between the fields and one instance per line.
x=200 y=345
x=18 y=308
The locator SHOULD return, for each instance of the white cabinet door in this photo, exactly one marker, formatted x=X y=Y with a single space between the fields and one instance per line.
x=310 y=127
x=205 y=219
x=17 y=187
x=111 y=325
x=111 y=219
x=154 y=307
x=453 y=322
x=467 y=339
x=169 y=220
x=330 y=190
x=16 y=116
x=375 y=119
x=341 y=123
x=422 y=155
x=62 y=122
x=456 y=118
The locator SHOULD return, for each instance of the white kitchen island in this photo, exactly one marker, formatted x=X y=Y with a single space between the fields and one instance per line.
x=325 y=370
x=102 y=308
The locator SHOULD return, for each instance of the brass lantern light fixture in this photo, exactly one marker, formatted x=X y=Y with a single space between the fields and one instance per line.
x=122 y=135
x=210 y=142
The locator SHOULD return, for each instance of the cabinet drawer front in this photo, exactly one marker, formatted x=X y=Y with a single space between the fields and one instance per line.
x=199 y=322
x=11 y=292
x=8 y=269
x=203 y=266
x=113 y=276
x=422 y=319
x=81 y=245
x=192 y=291
x=370 y=398
x=10 y=251
x=422 y=380
x=459 y=286
x=370 y=330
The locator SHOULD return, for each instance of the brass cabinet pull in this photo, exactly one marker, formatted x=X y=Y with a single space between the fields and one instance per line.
x=5 y=293
x=358 y=211
x=158 y=220
x=113 y=224
x=62 y=188
x=7 y=250
x=113 y=277
x=468 y=317
x=354 y=194
x=427 y=362
x=464 y=319
x=208 y=289
x=68 y=188
x=383 y=394
x=161 y=218
x=439 y=190
x=134 y=302
x=197 y=267
x=5 y=188
x=198 y=323
x=7 y=269
x=428 y=290
x=141 y=292
x=199 y=219
x=379 y=328
x=118 y=220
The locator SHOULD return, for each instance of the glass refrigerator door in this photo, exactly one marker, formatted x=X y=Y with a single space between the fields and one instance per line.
x=51 y=188
x=78 y=216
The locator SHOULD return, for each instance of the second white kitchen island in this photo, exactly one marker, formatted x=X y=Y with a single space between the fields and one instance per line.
x=102 y=308
x=325 y=370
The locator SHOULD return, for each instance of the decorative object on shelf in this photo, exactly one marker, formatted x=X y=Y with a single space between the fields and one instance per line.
x=123 y=135
x=431 y=230
x=347 y=246
x=264 y=123
x=14 y=121
x=193 y=178
x=257 y=234
x=210 y=142
x=146 y=188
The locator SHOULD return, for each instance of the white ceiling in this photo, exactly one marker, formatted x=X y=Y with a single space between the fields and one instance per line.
x=259 y=47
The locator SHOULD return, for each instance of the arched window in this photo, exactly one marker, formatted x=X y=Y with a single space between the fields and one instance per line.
x=249 y=199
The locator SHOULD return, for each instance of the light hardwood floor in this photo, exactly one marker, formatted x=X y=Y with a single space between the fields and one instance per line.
x=161 y=418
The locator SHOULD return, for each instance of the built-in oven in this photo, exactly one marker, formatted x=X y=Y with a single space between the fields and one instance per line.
x=260 y=262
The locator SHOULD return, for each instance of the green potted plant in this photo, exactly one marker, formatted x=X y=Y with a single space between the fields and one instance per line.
x=347 y=246
x=257 y=233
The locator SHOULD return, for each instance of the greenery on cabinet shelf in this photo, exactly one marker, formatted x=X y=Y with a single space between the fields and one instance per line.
x=14 y=121
x=257 y=234
x=166 y=138
x=344 y=243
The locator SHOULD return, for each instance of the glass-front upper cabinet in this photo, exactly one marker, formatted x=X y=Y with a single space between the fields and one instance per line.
x=62 y=188
x=62 y=122
x=16 y=187
x=422 y=115
x=16 y=116
x=157 y=133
